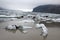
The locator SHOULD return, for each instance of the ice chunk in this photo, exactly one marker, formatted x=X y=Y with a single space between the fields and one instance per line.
x=11 y=27
x=38 y=26
x=44 y=31
x=24 y=27
x=28 y=21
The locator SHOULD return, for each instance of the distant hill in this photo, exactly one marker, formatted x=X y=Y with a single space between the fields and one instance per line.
x=2 y=8
x=48 y=9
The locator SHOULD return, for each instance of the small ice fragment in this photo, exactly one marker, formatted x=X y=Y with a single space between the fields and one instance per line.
x=26 y=27
x=24 y=31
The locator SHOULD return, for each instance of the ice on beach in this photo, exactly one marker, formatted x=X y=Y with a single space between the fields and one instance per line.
x=14 y=28
x=24 y=31
x=27 y=21
x=43 y=26
x=44 y=29
x=38 y=26
x=26 y=27
x=10 y=27
x=56 y=20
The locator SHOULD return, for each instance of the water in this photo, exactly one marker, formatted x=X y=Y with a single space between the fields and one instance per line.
x=32 y=34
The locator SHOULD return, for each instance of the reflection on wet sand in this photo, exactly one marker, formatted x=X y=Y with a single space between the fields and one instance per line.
x=13 y=31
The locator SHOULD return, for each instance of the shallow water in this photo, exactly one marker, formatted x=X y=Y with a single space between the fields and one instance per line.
x=32 y=34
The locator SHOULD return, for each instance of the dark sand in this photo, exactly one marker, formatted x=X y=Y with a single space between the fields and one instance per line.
x=32 y=34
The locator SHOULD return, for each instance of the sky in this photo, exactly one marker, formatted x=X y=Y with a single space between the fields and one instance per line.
x=25 y=5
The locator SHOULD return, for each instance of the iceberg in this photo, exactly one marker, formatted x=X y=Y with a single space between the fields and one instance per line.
x=44 y=31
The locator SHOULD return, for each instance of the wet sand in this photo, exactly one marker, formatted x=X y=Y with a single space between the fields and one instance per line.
x=32 y=34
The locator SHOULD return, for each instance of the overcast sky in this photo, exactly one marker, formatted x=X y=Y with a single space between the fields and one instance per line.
x=25 y=4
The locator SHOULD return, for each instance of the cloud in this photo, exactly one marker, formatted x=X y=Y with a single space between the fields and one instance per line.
x=25 y=4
